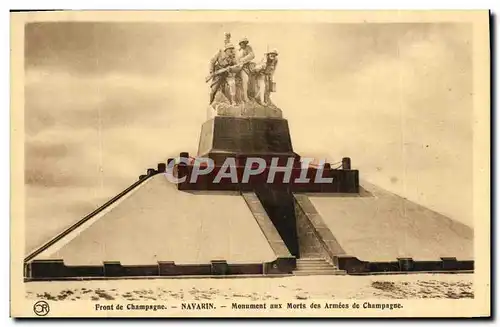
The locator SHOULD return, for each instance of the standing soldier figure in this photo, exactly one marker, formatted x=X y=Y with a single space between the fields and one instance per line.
x=265 y=71
x=223 y=59
x=245 y=56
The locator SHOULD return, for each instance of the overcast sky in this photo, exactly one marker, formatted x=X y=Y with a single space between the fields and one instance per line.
x=105 y=101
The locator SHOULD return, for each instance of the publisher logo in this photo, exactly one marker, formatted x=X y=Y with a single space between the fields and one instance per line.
x=41 y=308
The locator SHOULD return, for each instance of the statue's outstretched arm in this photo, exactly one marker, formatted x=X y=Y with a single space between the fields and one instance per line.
x=249 y=57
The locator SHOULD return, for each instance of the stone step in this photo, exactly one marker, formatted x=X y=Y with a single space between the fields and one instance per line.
x=311 y=259
x=313 y=263
x=314 y=266
x=319 y=272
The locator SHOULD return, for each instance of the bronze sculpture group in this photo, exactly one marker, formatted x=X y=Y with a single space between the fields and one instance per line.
x=234 y=74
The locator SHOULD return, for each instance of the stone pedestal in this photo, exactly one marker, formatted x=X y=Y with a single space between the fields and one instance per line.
x=223 y=137
x=250 y=110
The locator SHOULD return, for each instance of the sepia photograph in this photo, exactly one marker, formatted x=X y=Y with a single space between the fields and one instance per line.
x=259 y=163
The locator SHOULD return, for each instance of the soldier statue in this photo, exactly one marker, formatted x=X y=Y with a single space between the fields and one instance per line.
x=222 y=75
x=264 y=72
x=245 y=57
x=226 y=67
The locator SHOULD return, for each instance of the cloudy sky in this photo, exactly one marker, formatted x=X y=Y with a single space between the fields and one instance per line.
x=105 y=101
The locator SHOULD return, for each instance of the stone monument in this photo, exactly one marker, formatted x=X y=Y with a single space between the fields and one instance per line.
x=255 y=227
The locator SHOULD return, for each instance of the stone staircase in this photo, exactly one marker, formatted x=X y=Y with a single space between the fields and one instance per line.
x=316 y=266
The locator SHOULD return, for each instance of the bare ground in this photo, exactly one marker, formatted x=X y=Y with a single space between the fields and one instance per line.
x=416 y=286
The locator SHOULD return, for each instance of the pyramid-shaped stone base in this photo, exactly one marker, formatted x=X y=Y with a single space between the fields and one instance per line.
x=254 y=227
x=153 y=229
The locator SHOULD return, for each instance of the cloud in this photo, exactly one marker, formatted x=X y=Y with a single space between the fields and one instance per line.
x=405 y=108
x=90 y=130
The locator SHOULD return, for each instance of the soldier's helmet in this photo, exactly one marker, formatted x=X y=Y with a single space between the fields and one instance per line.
x=243 y=40
x=274 y=52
